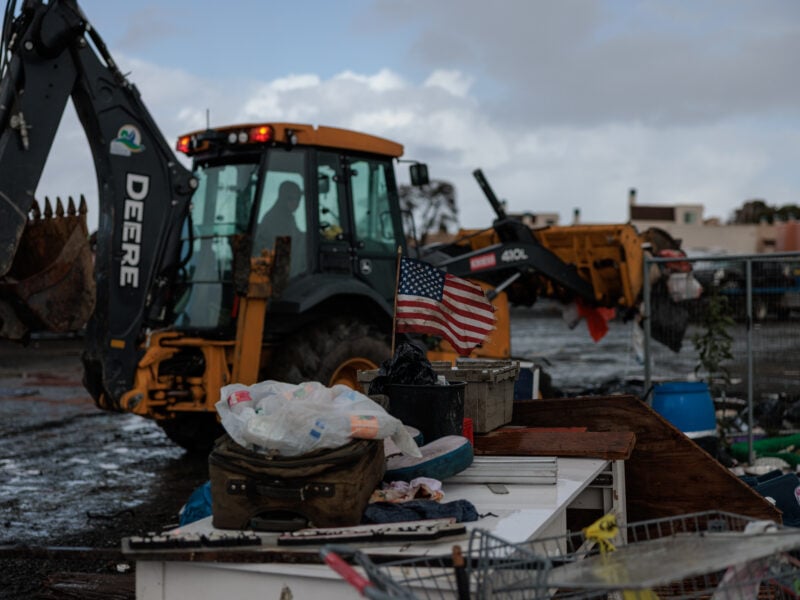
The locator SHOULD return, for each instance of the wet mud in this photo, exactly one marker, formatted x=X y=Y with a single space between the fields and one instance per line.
x=73 y=476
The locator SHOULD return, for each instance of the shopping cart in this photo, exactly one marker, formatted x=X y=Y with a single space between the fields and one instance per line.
x=714 y=555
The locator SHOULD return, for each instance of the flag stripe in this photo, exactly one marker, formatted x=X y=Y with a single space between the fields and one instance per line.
x=415 y=324
x=456 y=286
x=455 y=304
x=414 y=305
x=461 y=334
x=447 y=308
x=429 y=327
x=473 y=296
x=463 y=284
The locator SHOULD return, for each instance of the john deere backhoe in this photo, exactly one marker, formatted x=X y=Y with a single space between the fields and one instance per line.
x=193 y=285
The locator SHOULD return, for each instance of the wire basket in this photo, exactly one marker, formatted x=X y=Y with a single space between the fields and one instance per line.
x=715 y=555
x=490 y=568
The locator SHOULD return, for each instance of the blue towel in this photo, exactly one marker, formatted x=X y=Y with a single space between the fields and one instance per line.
x=198 y=506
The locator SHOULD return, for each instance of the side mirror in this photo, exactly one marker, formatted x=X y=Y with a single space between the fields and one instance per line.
x=419 y=174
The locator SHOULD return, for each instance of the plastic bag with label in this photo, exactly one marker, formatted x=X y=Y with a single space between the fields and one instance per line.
x=296 y=419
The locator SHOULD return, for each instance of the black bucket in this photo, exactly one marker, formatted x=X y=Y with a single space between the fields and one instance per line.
x=436 y=410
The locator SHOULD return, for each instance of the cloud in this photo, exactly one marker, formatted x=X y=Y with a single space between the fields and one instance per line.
x=572 y=147
x=590 y=63
x=295 y=82
x=592 y=169
x=147 y=26
x=384 y=80
x=452 y=81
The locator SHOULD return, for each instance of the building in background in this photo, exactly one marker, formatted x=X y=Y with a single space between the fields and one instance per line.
x=711 y=236
x=537 y=220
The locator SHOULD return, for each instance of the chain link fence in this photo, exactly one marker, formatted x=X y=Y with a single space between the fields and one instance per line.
x=739 y=331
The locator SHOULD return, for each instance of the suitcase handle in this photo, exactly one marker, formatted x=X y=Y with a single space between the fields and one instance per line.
x=301 y=493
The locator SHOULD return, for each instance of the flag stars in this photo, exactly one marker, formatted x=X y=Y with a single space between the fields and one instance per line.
x=420 y=280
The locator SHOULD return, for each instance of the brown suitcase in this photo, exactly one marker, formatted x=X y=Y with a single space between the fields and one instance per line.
x=325 y=488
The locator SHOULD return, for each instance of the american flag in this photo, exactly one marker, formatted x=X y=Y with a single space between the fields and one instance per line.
x=434 y=302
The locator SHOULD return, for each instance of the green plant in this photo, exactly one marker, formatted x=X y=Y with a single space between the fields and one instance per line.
x=713 y=341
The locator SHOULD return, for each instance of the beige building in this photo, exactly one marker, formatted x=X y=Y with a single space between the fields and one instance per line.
x=705 y=236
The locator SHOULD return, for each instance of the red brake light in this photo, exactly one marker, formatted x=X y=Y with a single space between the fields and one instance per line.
x=262 y=133
x=184 y=144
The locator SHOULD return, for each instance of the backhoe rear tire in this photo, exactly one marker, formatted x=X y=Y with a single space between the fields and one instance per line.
x=330 y=352
x=194 y=432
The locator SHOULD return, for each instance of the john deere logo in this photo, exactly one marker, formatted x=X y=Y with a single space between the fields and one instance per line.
x=127 y=142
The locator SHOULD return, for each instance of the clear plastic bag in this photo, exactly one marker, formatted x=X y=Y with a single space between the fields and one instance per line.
x=683 y=286
x=296 y=419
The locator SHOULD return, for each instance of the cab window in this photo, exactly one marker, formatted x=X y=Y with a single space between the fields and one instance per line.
x=330 y=215
x=220 y=208
x=372 y=216
x=282 y=206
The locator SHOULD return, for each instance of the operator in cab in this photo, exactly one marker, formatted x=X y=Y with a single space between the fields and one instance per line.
x=280 y=220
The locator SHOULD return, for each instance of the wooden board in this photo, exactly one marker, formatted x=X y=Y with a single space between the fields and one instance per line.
x=667 y=474
x=610 y=445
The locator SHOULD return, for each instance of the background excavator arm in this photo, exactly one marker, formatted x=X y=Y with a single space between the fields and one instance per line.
x=516 y=253
x=51 y=54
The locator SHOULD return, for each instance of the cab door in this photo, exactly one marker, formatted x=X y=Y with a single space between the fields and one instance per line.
x=359 y=219
x=374 y=210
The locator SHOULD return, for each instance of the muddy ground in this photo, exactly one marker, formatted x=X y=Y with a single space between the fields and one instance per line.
x=74 y=476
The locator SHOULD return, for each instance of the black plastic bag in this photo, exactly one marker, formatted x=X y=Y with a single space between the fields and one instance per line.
x=668 y=319
x=409 y=366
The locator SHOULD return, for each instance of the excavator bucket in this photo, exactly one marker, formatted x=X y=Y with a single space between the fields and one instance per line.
x=609 y=256
x=50 y=285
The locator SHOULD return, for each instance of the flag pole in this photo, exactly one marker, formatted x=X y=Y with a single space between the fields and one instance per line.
x=396 y=286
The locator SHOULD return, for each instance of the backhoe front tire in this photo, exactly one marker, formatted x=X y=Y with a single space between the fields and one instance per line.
x=330 y=352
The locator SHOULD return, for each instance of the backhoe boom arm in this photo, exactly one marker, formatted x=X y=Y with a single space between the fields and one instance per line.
x=143 y=191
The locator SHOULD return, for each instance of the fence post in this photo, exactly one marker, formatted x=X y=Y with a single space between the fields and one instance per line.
x=647 y=332
x=748 y=270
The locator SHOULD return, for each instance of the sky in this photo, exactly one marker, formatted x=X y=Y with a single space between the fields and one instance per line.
x=564 y=104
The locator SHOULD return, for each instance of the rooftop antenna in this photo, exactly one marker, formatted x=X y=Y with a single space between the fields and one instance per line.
x=208 y=118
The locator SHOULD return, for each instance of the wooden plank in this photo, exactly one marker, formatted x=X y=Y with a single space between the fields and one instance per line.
x=667 y=474
x=609 y=445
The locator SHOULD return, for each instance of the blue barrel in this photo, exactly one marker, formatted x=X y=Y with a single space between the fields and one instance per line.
x=688 y=406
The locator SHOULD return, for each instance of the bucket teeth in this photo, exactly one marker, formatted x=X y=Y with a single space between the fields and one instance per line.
x=82 y=209
x=52 y=281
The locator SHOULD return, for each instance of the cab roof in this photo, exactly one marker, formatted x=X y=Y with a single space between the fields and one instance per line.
x=300 y=134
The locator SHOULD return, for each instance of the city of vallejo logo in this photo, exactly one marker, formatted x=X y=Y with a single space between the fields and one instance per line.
x=127 y=142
